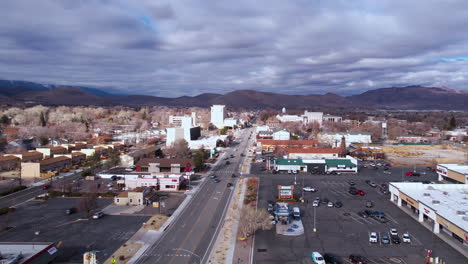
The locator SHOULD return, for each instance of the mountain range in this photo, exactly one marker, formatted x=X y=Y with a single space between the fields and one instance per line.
x=17 y=93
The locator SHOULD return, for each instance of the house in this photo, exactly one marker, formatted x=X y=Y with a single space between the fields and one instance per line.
x=9 y=163
x=312 y=153
x=30 y=156
x=87 y=151
x=76 y=157
x=281 y=135
x=282 y=164
x=137 y=196
x=49 y=152
x=35 y=169
x=155 y=165
x=173 y=183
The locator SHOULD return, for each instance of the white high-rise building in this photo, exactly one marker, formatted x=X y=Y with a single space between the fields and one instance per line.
x=194 y=119
x=218 y=115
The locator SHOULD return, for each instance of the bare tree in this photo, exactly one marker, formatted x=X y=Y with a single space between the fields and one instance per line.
x=252 y=219
x=87 y=204
x=179 y=149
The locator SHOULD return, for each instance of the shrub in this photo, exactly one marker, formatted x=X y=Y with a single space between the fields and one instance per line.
x=5 y=210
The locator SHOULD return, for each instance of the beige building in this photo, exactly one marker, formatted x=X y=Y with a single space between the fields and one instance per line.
x=137 y=196
x=87 y=152
x=455 y=173
x=34 y=169
x=30 y=156
x=76 y=157
x=9 y=163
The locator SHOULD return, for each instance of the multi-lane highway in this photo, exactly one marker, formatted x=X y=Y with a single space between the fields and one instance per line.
x=190 y=238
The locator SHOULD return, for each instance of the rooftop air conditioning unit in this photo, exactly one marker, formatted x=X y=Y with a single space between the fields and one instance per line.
x=465 y=218
x=426 y=194
x=445 y=193
x=435 y=202
x=460 y=212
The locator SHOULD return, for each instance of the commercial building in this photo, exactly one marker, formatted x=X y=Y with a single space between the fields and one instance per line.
x=138 y=196
x=455 y=173
x=87 y=151
x=270 y=145
x=312 y=153
x=334 y=139
x=289 y=165
x=30 y=253
x=156 y=166
x=347 y=165
x=442 y=207
x=218 y=115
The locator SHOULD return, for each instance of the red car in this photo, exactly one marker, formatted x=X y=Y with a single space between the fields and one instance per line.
x=45 y=187
x=412 y=173
x=360 y=192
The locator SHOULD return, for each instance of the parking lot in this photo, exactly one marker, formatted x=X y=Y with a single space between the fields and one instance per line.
x=341 y=231
x=74 y=234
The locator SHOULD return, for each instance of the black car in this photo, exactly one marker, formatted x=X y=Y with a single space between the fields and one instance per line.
x=229 y=184
x=338 y=204
x=385 y=168
x=227 y=162
x=363 y=214
x=216 y=180
x=352 y=190
x=325 y=201
x=233 y=175
x=395 y=239
x=213 y=176
x=331 y=259
x=351 y=183
x=70 y=211
x=356 y=259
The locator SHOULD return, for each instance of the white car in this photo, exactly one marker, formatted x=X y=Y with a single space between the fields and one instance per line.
x=373 y=237
x=317 y=258
x=393 y=232
x=406 y=238
x=309 y=189
x=316 y=203
x=330 y=204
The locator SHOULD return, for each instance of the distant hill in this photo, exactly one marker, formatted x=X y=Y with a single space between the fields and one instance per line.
x=402 y=98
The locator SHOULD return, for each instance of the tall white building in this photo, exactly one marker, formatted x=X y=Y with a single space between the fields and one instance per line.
x=181 y=121
x=218 y=115
x=310 y=117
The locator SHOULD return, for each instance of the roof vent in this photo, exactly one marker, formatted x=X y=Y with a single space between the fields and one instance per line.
x=445 y=193
x=426 y=194
x=435 y=201
x=460 y=212
x=465 y=218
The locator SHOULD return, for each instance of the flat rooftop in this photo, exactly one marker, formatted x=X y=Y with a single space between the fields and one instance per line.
x=450 y=201
x=460 y=168
x=27 y=250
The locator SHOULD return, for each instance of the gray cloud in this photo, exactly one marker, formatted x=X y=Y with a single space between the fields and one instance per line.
x=173 y=48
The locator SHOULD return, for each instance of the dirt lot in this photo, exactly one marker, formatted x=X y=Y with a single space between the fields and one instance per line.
x=424 y=155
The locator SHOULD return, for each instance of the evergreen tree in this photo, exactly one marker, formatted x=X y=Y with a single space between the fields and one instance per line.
x=43 y=120
x=452 y=123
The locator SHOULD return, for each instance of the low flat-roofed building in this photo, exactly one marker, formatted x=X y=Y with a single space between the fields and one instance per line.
x=9 y=163
x=29 y=156
x=76 y=157
x=312 y=153
x=442 y=206
x=49 y=152
x=30 y=253
x=137 y=196
x=87 y=151
x=455 y=173
x=282 y=164
x=34 y=169
x=155 y=165
x=348 y=164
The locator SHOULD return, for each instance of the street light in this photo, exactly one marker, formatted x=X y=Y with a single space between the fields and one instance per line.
x=315 y=229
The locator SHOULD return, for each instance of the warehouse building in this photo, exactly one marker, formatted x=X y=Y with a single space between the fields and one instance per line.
x=43 y=167
x=442 y=207
x=30 y=156
x=454 y=173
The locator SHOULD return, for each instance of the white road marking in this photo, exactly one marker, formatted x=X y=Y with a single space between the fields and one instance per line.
x=391 y=218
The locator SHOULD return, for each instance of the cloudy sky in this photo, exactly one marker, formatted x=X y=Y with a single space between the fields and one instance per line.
x=173 y=48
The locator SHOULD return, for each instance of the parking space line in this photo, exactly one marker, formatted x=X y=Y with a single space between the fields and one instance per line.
x=380 y=239
x=391 y=218
x=414 y=237
x=371 y=260
x=384 y=261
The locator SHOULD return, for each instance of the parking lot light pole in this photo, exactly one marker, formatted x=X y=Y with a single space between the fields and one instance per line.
x=315 y=229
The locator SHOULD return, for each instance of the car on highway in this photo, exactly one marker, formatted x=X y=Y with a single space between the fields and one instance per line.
x=338 y=204
x=406 y=238
x=385 y=239
x=309 y=189
x=373 y=237
x=98 y=215
x=330 y=204
x=393 y=232
x=357 y=259
x=412 y=173
x=216 y=180
x=331 y=259
x=317 y=258
x=45 y=187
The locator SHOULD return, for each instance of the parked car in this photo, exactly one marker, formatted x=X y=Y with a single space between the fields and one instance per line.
x=98 y=215
x=233 y=175
x=369 y=204
x=309 y=189
x=360 y=192
x=356 y=259
x=330 y=204
x=331 y=259
x=381 y=219
x=395 y=239
x=325 y=201
x=227 y=162
x=386 y=169
x=317 y=258
x=316 y=202
x=213 y=176
x=363 y=214
x=373 y=237
x=393 y=232
x=373 y=184
x=110 y=184
x=338 y=204
x=406 y=238
x=216 y=180
x=385 y=239
x=412 y=173
x=229 y=184
x=352 y=190
x=351 y=183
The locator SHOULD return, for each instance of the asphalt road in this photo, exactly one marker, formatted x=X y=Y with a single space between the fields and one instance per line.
x=190 y=238
x=20 y=197
x=340 y=231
